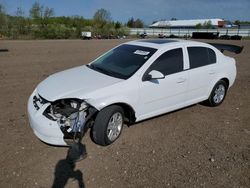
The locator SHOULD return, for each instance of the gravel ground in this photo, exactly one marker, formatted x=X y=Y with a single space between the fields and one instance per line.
x=197 y=146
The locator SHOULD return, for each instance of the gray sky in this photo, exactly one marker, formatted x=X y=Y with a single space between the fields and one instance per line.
x=147 y=10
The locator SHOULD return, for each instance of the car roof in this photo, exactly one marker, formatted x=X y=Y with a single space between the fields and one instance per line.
x=162 y=43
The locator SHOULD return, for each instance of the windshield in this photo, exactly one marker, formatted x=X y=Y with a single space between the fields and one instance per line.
x=123 y=61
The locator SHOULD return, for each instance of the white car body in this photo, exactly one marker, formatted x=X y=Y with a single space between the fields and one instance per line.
x=146 y=98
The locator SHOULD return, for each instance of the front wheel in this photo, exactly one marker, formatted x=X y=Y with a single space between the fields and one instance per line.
x=108 y=125
x=218 y=93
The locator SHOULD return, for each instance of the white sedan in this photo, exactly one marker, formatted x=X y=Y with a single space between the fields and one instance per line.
x=131 y=82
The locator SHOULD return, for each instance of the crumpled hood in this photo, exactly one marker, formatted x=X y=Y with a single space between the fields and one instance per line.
x=71 y=82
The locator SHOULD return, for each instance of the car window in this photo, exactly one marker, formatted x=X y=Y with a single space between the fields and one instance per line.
x=170 y=62
x=211 y=55
x=200 y=56
x=123 y=61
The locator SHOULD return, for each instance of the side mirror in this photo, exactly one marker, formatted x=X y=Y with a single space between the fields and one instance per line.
x=153 y=75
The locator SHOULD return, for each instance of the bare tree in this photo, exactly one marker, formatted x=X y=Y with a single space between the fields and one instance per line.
x=36 y=11
x=20 y=21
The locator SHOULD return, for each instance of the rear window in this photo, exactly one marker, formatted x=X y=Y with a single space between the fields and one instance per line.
x=201 y=56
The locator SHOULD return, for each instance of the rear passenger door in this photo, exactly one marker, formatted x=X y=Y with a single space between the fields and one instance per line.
x=202 y=62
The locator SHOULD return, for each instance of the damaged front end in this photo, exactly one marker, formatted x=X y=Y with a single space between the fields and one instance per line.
x=73 y=116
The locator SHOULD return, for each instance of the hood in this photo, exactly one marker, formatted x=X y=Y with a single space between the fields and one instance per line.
x=71 y=82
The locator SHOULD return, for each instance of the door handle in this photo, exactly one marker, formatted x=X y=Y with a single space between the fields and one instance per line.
x=212 y=72
x=181 y=80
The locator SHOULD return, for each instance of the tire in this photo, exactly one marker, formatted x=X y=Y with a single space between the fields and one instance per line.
x=108 y=125
x=218 y=94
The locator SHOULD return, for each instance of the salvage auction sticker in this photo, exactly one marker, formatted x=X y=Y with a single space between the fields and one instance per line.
x=140 y=52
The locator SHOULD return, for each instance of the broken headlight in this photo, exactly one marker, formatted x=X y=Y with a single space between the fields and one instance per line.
x=70 y=114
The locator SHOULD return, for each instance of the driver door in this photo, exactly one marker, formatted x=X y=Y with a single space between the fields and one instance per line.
x=159 y=96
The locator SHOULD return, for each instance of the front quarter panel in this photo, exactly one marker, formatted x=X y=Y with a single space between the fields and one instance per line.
x=122 y=92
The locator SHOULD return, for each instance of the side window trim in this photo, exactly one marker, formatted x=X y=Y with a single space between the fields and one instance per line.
x=183 y=59
x=208 y=56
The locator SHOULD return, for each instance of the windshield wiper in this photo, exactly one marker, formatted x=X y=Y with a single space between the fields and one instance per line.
x=99 y=69
x=105 y=71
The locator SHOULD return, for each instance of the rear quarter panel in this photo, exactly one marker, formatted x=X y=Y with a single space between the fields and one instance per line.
x=225 y=68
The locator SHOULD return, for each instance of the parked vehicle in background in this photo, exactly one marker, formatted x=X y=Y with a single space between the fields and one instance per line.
x=143 y=35
x=205 y=35
x=86 y=35
x=161 y=35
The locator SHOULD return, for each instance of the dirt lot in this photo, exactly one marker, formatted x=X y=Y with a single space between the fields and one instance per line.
x=194 y=147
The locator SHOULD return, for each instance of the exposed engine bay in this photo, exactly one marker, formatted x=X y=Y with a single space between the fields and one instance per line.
x=74 y=117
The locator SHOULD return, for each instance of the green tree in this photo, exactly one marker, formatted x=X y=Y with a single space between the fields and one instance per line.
x=41 y=23
x=101 y=17
x=41 y=18
x=118 y=25
x=3 y=21
x=207 y=25
x=130 y=22
x=20 y=22
x=237 y=22
x=47 y=13
x=138 y=23
x=198 y=26
x=36 y=11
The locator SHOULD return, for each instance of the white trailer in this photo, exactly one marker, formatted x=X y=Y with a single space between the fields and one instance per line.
x=86 y=35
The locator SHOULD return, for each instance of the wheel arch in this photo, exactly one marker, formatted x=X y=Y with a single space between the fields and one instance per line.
x=226 y=80
x=129 y=112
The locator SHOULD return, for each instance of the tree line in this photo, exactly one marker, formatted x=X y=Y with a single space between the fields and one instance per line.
x=43 y=24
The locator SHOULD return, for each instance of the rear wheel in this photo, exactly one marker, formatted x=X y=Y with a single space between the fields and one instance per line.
x=108 y=125
x=218 y=93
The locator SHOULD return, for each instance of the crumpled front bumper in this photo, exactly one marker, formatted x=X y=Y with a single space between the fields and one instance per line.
x=45 y=129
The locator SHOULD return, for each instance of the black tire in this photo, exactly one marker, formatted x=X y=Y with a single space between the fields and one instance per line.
x=99 y=129
x=211 y=100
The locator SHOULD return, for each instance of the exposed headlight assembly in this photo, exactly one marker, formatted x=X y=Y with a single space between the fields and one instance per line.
x=74 y=117
x=69 y=113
